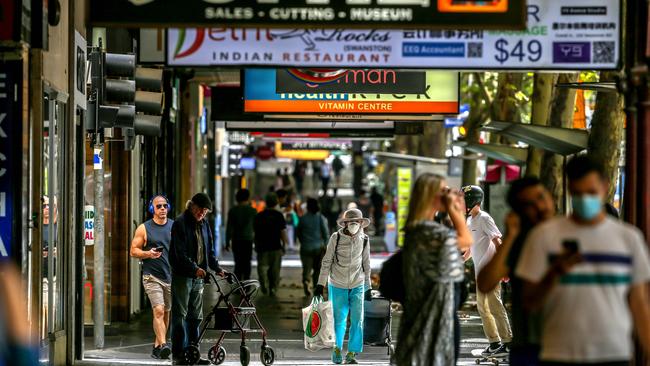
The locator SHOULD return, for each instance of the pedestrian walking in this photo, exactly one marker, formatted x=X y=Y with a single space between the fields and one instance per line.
x=313 y=232
x=279 y=184
x=588 y=274
x=377 y=201
x=191 y=253
x=337 y=166
x=150 y=244
x=432 y=265
x=270 y=244
x=486 y=238
x=325 y=175
x=531 y=204
x=299 y=172
x=346 y=268
x=240 y=234
x=364 y=204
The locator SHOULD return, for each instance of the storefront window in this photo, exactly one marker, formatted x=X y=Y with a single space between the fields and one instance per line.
x=52 y=252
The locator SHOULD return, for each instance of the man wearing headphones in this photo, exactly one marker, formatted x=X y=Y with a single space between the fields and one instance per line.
x=151 y=245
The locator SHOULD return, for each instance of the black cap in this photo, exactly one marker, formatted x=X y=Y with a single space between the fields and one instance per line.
x=202 y=200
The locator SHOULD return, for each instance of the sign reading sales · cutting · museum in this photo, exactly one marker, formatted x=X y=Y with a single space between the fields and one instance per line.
x=560 y=35
x=502 y=14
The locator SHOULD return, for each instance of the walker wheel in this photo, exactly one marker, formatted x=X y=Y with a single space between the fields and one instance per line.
x=217 y=355
x=478 y=362
x=244 y=355
x=267 y=356
x=192 y=354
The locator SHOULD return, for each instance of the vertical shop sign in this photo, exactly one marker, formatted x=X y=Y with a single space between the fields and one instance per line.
x=89 y=225
x=10 y=105
x=404 y=178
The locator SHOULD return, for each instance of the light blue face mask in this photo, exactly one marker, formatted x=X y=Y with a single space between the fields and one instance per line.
x=587 y=206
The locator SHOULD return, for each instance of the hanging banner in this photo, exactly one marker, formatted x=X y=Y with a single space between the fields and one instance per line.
x=89 y=225
x=567 y=34
x=404 y=179
x=502 y=14
x=260 y=96
x=10 y=155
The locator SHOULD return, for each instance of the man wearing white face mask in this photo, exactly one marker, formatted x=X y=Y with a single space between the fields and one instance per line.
x=346 y=265
x=588 y=274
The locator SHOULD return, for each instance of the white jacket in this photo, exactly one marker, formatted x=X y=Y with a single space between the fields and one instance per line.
x=352 y=269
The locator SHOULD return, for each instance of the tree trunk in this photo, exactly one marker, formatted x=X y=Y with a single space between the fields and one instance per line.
x=561 y=115
x=541 y=101
x=472 y=127
x=607 y=133
x=433 y=142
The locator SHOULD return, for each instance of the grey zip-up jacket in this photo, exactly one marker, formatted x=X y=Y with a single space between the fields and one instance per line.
x=352 y=269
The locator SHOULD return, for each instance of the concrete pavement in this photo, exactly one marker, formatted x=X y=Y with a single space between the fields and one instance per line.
x=130 y=343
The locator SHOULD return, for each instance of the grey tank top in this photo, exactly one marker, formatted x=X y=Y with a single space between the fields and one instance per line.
x=158 y=236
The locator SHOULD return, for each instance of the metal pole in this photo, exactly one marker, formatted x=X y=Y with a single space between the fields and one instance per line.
x=98 y=264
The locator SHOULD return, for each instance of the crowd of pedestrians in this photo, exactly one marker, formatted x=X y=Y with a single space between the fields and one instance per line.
x=579 y=283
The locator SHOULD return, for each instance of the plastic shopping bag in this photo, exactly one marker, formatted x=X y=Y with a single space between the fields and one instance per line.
x=318 y=325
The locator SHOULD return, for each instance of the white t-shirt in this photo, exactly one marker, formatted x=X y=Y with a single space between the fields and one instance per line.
x=483 y=230
x=586 y=317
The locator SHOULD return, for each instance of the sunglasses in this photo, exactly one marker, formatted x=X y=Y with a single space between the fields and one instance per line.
x=162 y=205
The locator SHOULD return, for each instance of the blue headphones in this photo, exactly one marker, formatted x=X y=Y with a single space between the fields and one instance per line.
x=150 y=207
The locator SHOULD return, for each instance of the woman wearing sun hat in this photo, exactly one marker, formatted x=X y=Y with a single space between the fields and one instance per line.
x=346 y=266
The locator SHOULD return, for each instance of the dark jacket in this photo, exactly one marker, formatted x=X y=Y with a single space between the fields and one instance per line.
x=183 y=246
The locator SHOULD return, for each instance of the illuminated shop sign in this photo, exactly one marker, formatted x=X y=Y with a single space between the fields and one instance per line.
x=560 y=35
x=439 y=97
x=503 y=14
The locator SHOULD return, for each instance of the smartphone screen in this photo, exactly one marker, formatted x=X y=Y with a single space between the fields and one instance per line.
x=158 y=249
x=570 y=245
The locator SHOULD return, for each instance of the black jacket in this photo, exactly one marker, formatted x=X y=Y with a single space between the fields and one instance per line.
x=182 y=249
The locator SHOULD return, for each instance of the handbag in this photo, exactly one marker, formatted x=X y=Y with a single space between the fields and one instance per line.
x=318 y=325
x=391 y=278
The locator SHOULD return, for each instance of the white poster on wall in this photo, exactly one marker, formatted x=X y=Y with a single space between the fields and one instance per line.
x=560 y=35
x=80 y=45
x=89 y=225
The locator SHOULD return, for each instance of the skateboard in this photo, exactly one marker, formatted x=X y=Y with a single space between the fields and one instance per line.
x=494 y=360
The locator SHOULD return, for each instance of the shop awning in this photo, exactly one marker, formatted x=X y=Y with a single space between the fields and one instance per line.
x=404 y=158
x=508 y=154
x=605 y=86
x=563 y=141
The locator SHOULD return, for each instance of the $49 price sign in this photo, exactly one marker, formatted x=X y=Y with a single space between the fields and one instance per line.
x=519 y=50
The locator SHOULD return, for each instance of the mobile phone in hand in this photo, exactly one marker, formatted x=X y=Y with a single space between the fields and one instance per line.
x=570 y=246
x=158 y=249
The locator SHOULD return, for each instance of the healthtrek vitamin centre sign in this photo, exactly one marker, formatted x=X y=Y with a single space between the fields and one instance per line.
x=440 y=96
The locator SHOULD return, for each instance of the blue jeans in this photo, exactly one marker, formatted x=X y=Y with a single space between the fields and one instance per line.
x=187 y=312
x=348 y=301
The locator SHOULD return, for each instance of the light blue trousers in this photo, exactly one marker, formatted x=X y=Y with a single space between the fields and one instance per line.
x=348 y=301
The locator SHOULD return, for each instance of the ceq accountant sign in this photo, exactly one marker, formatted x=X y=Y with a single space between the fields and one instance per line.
x=503 y=14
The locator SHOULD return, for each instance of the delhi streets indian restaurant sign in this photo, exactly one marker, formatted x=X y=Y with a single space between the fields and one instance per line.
x=441 y=14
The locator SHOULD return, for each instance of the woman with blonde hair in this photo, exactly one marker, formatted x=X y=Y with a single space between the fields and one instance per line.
x=432 y=264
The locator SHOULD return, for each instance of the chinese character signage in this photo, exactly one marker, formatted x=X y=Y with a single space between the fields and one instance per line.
x=440 y=96
x=502 y=14
x=560 y=35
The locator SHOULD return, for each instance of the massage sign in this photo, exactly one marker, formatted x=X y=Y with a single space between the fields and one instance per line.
x=352 y=91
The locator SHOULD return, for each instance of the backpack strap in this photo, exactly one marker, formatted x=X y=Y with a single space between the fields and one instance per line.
x=336 y=247
x=366 y=242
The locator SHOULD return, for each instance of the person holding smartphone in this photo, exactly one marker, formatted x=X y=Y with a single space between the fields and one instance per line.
x=151 y=245
x=588 y=274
